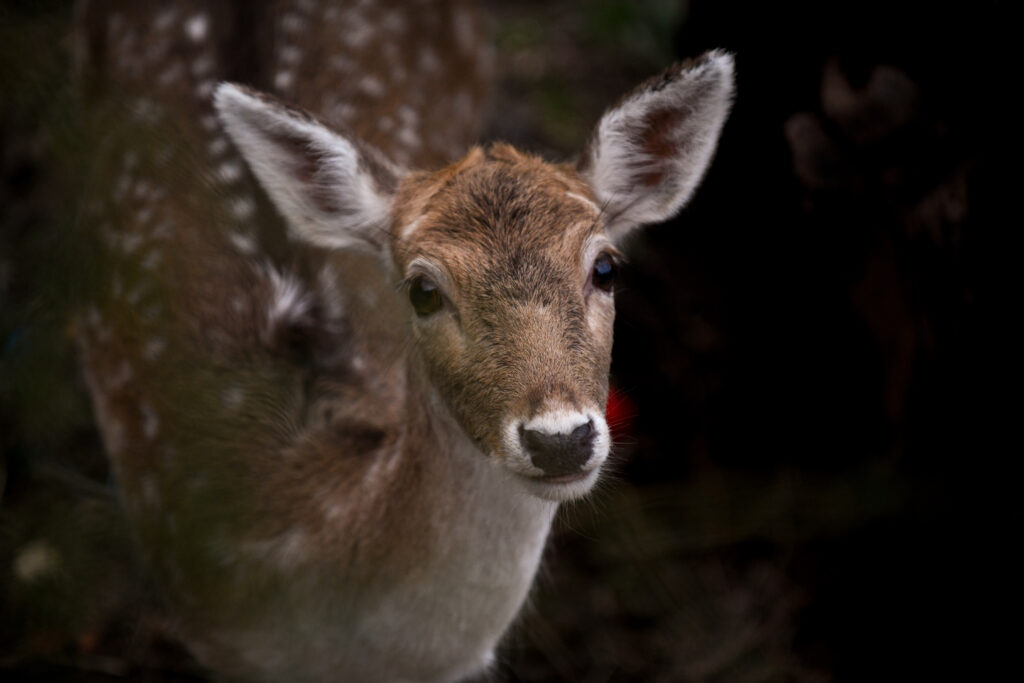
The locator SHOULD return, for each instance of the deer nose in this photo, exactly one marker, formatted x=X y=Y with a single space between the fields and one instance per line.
x=560 y=453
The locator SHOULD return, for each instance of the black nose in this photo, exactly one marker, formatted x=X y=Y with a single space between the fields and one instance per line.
x=559 y=454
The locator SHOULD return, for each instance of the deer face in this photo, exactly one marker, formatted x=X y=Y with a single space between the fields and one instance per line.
x=509 y=277
x=507 y=262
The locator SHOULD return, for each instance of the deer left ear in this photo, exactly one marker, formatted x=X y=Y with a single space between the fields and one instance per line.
x=649 y=153
x=333 y=190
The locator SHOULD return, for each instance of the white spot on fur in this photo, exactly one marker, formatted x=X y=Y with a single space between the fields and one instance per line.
x=343 y=111
x=286 y=551
x=283 y=80
x=409 y=138
x=242 y=208
x=152 y=260
x=371 y=87
x=145 y=111
x=290 y=55
x=394 y=21
x=150 y=421
x=429 y=61
x=233 y=397
x=409 y=229
x=293 y=23
x=244 y=243
x=359 y=34
x=131 y=242
x=408 y=116
x=465 y=36
x=37 y=560
x=154 y=348
x=334 y=511
x=197 y=27
x=230 y=171
x=141 y=189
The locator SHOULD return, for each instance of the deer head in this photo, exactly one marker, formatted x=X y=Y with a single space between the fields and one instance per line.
x=508 y=263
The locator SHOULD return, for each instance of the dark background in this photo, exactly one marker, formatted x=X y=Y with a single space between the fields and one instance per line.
x=810 y=484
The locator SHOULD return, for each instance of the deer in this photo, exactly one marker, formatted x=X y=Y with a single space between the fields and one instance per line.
x=345 y=376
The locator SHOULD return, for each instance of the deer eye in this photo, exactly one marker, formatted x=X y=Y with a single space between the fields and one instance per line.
x=425 y=296
x=603 y=273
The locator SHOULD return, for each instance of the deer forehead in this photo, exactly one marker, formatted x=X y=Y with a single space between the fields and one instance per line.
x=495 y=209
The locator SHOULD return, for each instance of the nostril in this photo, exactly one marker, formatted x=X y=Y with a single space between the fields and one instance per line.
x=532 y=440
x=561 y=453
x=584 y=431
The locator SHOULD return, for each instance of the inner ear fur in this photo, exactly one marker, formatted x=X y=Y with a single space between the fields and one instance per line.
x=332 y=189
x=649 y=153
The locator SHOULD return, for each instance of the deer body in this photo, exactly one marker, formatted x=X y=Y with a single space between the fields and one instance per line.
x=342 y=451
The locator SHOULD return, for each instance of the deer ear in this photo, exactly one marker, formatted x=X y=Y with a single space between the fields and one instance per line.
x=334 y=191
x=649 y=153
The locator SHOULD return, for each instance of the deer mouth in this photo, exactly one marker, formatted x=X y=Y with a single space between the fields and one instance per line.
x=562 y=479
x=561 y=487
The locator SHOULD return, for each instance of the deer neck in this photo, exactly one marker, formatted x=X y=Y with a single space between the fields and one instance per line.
x=475 y=534
x=486 y=505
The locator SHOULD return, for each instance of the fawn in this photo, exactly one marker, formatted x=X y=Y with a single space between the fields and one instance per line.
x=341 y=451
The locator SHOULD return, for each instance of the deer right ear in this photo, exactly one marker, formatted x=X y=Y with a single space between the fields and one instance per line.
x=333 y=191
x=649 y=153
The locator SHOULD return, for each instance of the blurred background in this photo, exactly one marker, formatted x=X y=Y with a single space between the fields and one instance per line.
x=808 y=484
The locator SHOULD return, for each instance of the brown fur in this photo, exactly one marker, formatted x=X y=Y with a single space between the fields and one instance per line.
x=499 y=224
